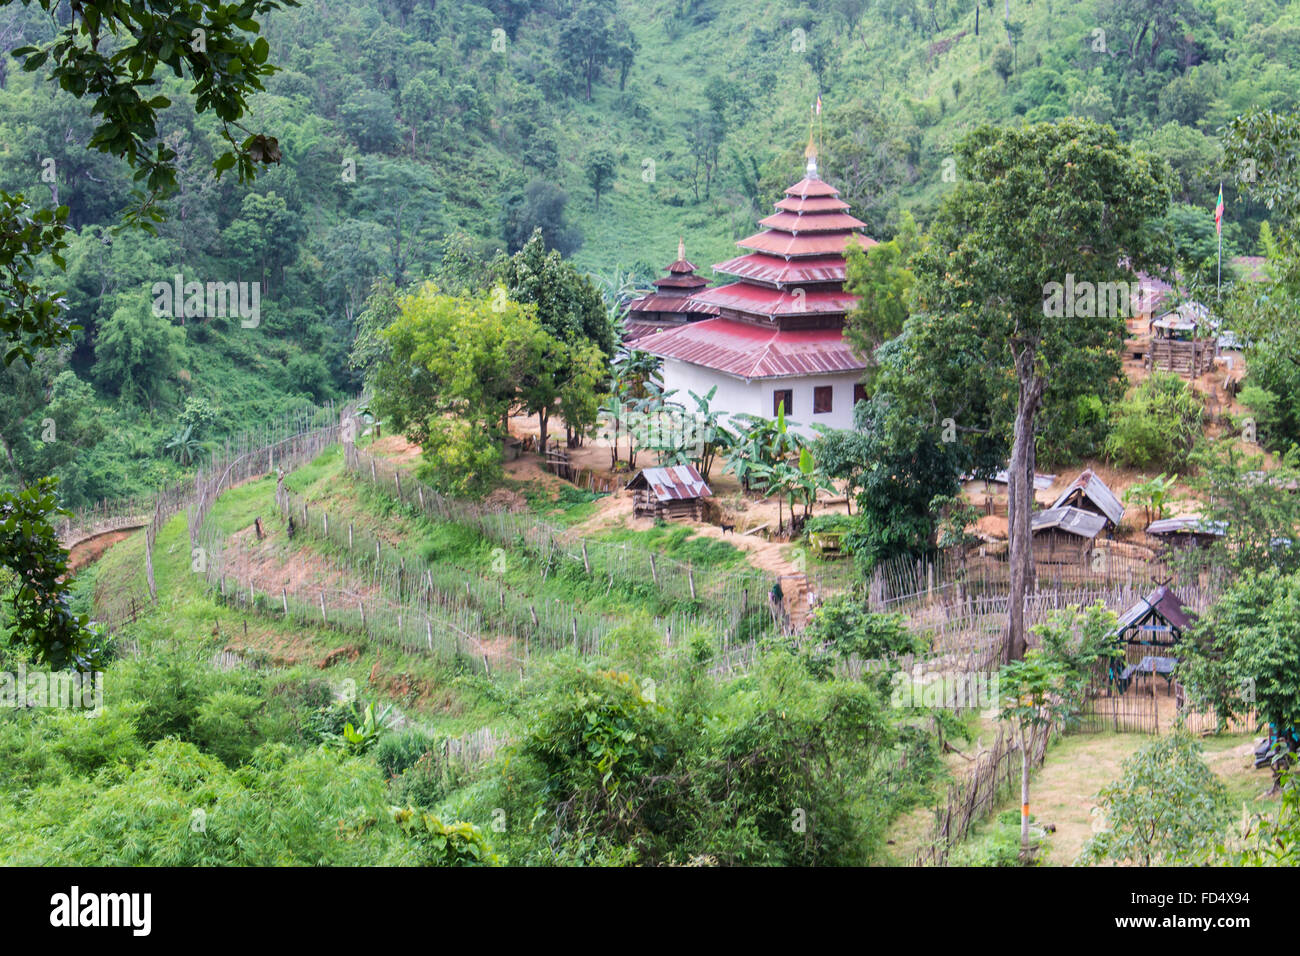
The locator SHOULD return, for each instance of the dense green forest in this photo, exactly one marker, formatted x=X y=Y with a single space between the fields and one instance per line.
x=410 y=130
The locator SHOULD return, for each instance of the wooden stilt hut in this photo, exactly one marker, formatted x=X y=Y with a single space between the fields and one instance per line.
x=668 y=493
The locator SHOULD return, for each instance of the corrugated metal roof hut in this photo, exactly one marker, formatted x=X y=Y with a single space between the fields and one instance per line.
x=1090 y=493
x=1187 y=531
x=677 y=491
x=1064 y=535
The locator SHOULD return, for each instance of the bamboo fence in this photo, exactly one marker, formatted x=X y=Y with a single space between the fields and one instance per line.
x=735 y=593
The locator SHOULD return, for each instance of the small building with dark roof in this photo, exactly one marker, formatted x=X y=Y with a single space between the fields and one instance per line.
x=1159 y=619
x=1090 y=493
x=1064 y=535
x=1187 y=531
x=675 y=491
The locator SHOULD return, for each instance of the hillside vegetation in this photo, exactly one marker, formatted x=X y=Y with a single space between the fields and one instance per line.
x=614 y=127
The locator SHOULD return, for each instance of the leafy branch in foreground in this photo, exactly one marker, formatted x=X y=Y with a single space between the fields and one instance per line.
x=42 y=617
x=110 y=50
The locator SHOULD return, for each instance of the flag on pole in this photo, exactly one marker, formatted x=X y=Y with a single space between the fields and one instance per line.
x=1218 y=212
x=818 y=108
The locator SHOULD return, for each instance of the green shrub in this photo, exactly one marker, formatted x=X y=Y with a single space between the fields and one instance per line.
x=226 y=726
x=434 y=843
x=1157 y=425
x=401 y=749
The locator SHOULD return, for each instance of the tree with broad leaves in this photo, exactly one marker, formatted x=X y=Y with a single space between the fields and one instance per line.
x=1031 y=206
x=1168 y=807
x=202 y=39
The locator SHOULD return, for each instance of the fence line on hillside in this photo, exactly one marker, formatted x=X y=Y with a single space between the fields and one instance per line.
x=432 y=587
x=110 y=514
x=739 y=592
x=958 y=575
x=154 y=511
x=374 y=616
x=994 y=776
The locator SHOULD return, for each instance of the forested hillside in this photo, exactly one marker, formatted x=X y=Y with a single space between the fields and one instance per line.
x=408 y=129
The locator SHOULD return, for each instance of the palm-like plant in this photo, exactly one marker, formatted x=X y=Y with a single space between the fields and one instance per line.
x=810 y=479
x=184 y=446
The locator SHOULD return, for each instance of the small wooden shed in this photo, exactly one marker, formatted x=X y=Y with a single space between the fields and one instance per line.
x=1090 y=493
x=1065 y=535
x=1187 y=531
x=676 y=491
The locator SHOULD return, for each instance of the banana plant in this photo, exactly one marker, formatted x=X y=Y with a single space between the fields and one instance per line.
x=184 y=446
x=810 y=480
x=360 y=737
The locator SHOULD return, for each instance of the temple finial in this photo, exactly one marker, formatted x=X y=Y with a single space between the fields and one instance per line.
x=681 y=248
x=811 y=152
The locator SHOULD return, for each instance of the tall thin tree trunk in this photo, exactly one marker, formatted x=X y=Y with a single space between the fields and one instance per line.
x=1020 y=502
x=1024 y=799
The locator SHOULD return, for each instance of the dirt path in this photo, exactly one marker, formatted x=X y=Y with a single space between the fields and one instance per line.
x=90 y=550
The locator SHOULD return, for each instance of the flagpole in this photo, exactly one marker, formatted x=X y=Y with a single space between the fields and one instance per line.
x=1218 y=281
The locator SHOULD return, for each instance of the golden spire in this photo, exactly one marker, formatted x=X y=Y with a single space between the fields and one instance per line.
x=810 y=171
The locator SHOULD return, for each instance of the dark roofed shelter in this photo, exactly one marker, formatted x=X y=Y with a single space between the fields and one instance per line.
x=1091 y=494
x=1149 y=630
x=676 y=491
x=1187 y=531
x=1158 y=619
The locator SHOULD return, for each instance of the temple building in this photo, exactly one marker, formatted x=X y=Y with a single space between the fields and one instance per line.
x=670 y=305
x=778 y=337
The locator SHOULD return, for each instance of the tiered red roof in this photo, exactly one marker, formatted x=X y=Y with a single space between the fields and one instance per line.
x=671 y=303
x=801 y=247
x=785 y=314
x=751 y=351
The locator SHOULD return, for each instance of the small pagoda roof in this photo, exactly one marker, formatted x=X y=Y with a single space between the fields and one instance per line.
x=1089 y=489
x=751 y=351
x=681 y=281
x=659 y=302
x=1075 y=521
x=672 y=483
x=681 y=265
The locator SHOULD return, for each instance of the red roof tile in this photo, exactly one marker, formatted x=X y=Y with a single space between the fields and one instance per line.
x=657 y=302
x=675 y=482
x=681 y=281
x=750 y=351
x=807 y=244
x=812 y=204
x=812 y=187
x=811 y=222
x=759 y=267
x=762 y=300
